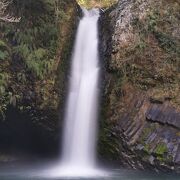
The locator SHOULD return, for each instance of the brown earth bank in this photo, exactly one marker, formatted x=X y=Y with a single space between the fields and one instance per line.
x=140 y=109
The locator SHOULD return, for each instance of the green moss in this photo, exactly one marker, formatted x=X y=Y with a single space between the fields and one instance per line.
x=161 y=149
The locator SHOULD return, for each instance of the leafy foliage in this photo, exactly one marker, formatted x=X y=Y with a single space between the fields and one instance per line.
x=96 y=3
x=3 y=50
x=3 y=55
x=28 y=49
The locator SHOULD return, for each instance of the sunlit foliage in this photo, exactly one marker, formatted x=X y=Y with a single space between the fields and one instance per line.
x=96 y=3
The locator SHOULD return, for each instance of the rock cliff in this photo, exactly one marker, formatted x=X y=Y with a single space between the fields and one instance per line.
x=140 y=115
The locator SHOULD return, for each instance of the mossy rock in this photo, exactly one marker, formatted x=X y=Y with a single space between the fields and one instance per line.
x=161 y=149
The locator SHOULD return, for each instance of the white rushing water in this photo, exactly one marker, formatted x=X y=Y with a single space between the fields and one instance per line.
x=79 y=138
x=81 y=115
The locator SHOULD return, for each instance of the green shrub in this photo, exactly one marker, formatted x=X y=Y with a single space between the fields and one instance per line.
x=2 y=44
x=3 y=79
x=21 y=50
x=3 y=55
x=33 y=44
x=3 y=50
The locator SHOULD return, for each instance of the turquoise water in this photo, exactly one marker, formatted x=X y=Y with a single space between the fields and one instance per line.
x=36 y=173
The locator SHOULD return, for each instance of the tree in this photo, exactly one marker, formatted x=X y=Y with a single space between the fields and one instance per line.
x=4 y=15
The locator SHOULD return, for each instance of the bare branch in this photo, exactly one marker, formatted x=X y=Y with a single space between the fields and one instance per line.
x=4 y=16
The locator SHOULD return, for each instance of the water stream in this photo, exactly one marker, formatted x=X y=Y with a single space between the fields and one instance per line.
x=80 y=129
x=81 y=115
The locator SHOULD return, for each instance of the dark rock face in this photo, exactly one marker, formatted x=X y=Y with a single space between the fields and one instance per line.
x=140 y=126
x=165 y=114
x=155 y=142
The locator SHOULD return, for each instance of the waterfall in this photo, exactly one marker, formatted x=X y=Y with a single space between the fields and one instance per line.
x=80 y=128
x=79 y=137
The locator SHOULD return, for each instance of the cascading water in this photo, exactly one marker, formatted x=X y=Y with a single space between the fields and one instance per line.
x=80 y=119
x=79 y=137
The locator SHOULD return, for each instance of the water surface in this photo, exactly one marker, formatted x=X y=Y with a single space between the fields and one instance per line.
x=37 y=173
